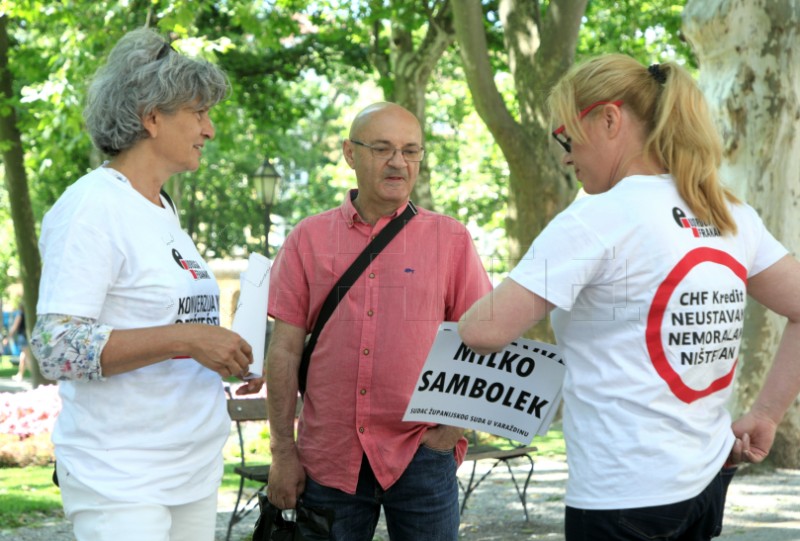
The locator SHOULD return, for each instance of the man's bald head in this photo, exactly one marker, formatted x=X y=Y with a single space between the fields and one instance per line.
x=372 y=112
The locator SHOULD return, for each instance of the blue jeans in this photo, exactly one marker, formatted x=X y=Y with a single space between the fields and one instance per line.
x=421 y=506
x=695 y=519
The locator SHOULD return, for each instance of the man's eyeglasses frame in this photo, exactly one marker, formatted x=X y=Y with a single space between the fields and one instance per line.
x=383 y=153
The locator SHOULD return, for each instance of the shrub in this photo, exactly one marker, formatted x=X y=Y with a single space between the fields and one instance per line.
x=26 y=421
x=17 y=453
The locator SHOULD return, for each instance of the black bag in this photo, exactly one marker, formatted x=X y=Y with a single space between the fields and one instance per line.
x=310 y=524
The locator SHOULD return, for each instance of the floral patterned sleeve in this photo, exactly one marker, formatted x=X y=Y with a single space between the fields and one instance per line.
x=69 y=347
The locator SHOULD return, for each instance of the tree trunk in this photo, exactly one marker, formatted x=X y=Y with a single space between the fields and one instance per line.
x=18 y=195
x=540 y=51
x=752 y=81
x=412 y=69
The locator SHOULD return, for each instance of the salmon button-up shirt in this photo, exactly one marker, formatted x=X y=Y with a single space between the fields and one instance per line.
x=371 y=351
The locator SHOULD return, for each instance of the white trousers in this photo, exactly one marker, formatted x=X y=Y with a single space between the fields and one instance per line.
x=96 y=518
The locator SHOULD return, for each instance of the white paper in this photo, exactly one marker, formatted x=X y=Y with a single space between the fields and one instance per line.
x=250 y=318
x=550 y=415
x=513 y=393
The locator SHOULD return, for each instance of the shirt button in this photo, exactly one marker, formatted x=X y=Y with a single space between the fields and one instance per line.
x=372 y=275
x=363 y=391
x=361 y=429
x=370 y=312
x=366 y=351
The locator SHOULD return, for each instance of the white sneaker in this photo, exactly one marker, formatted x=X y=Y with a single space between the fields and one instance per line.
x=16 y=377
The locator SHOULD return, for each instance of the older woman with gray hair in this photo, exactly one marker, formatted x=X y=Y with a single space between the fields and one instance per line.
x=128 y=312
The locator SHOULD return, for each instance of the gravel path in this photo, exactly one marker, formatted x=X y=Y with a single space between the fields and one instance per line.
x=762 y=506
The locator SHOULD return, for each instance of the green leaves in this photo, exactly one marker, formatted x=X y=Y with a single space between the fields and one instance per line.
x=299 y=71
x=648 y=31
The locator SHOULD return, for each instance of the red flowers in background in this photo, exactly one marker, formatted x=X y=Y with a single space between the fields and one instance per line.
x=26 y=421
x=29 y=413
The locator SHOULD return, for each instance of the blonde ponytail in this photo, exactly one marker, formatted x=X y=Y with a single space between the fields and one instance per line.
x=681 y=134
x=686 y=141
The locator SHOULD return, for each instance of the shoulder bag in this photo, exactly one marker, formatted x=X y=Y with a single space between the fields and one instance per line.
x=346 y=282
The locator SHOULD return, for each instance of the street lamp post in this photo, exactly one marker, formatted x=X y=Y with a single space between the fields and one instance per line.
x=266 y=182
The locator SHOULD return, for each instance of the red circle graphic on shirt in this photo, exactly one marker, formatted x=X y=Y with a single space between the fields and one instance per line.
x=655 y=319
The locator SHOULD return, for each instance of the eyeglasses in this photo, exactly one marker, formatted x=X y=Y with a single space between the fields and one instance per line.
x=164 y=50
x=566 y=142
x=383 y=152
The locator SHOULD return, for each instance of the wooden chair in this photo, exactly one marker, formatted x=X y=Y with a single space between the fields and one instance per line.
x=477 y=452
x=242 y=411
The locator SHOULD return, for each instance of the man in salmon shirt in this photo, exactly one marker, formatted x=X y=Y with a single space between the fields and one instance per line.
x=354 y=454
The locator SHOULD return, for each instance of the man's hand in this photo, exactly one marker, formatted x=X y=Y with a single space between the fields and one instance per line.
x=442 y=437
x=287 y=479
x=251 y=386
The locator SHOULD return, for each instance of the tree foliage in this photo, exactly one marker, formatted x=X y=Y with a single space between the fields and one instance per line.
x=17 y=187
x=299 y=70
x=649 y=31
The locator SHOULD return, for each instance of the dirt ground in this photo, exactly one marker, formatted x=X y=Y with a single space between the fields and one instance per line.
x=761 y=506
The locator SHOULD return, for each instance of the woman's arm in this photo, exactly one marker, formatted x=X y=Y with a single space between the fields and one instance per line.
x=216 y=348
x=78 y=348
x=501 y=316
x=777 y=288
x=69 y=347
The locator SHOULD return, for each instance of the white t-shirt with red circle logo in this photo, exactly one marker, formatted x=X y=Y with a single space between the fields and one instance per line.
x=154 y=434
x=649 y=313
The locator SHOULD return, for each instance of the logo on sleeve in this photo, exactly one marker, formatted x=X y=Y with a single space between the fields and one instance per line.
x=698 y=227
x=192 y=267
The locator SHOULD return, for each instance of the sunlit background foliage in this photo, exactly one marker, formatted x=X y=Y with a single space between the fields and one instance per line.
x=299 y=71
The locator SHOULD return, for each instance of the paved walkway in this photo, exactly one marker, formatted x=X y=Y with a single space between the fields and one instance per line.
x=8 y=385
x=762 y=506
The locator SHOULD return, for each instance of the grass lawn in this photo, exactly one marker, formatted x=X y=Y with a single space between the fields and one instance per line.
x=29 y=496
x=549 y=446
x=552 y=444
x=6 y=368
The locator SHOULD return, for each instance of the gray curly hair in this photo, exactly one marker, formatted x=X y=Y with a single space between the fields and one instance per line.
x=143 y=74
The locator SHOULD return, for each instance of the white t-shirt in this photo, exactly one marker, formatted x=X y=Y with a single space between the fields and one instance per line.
x=649 y=313
x=154 y=434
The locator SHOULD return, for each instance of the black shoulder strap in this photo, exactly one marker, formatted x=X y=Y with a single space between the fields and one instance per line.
x=346 y=282
x=166 y=196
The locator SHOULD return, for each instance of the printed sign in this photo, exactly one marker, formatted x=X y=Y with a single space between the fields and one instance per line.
x=693 y=334
x=513 y=393
x=250 y=318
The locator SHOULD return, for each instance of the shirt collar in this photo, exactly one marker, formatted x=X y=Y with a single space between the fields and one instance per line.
x=350 y=214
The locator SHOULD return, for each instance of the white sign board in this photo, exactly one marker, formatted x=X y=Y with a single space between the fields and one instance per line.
x=250 y=318
x=513 y=393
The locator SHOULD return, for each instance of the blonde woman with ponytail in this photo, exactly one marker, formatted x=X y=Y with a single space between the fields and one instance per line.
x=646 y=282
